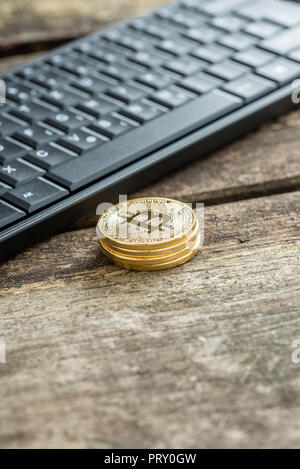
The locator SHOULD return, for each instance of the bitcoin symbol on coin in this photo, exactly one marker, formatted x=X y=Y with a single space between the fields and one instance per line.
x=149 y=220
x=149 y=234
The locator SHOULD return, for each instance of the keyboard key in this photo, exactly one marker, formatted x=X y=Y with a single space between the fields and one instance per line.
x=3 y=189
x=19 y=172
x=228 y=70
x=157 y=133
x=262 y=29
x=146 y=27
x=133 y=43
x=30 y=111
x=113 y=35
x=250 y=87
x=154 y=80
x=282 y=71
x=295 y=55
x=62 y=98
x=141 y=112
x=284 y=42
x=28 y=71
x=174 y=47
x=84 y=47
x=203 y=34
x=8 y=126
x=126 y=93
x=157 y=31
x=171 y=98
x=48 y=80
x=184 y=67
x=56 y=59
x=91 y=85
x=191 y=5
x=9 y=214
x=147 y=59
x=80 y=141
x=120 y=51
x=201 y=83
x=229 y=23
x=36 y=194
x=212 y=53
x=9 y=150
x=119 y=72
x=254 y=57
x=98 y=107
x=111 y=126
x=283 y=13
x=238 y=41
x=177 y=17
x=104 y=55
x=67 y=121
x=75 y=66
x=195 y=14
x=220 y=7
x=48 y=157
x=19 y=93
x=35 y=135
x=130 y=42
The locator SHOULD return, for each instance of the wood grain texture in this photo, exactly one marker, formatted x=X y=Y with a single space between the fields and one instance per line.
x=35 y=22
x=265 y=161
x=199 y=356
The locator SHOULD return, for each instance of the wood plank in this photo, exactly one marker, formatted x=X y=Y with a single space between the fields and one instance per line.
x=76 y=252
x=199 y=356
x=266 y=161
x=10 y=62
x=35 y=22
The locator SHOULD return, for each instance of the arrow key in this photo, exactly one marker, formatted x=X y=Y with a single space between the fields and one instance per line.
x=35 y=194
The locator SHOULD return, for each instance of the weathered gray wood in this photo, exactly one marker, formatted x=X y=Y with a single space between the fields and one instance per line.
x=33 y=23
x=199 y=356
x=265 y=161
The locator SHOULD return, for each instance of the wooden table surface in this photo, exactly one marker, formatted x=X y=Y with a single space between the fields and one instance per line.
x=198 y=356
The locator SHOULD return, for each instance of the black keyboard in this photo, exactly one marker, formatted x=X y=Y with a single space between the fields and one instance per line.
x=108 y=114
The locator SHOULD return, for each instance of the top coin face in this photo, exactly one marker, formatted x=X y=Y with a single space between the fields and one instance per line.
x=147 y=221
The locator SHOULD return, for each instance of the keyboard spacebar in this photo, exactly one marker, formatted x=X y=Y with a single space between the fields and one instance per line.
x=144 y=140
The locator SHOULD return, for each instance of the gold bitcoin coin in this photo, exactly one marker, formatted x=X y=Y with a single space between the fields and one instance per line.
x=147 y=223
x=145 y=260
x=149 y=234
x=148 y=251
x=147 y=267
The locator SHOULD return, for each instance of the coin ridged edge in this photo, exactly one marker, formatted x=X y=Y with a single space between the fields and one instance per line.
x=157 y=267
x=148 y=253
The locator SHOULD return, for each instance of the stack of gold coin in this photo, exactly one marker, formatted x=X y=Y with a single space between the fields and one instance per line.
x=149 y=234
